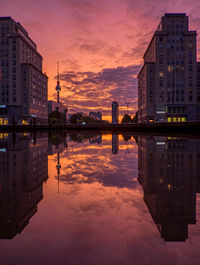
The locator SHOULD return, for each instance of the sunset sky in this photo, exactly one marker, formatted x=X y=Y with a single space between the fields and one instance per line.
x=100 y=45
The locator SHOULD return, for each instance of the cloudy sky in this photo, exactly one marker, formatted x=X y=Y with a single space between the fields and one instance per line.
x=100 y=44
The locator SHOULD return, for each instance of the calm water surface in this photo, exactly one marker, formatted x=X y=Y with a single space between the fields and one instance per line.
x=99 y=199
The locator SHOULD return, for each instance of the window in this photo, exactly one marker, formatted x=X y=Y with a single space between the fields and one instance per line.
x=161 y=74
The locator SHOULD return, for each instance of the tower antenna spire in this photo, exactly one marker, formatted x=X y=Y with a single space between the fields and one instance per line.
x=58 y=73
x=58 y=88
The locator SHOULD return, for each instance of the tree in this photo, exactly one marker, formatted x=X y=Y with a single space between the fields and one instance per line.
x=126 y=119
x=56 y=117
x=135 y=118
x=76 y=118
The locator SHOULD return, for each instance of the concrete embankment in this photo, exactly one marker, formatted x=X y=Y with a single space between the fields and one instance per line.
x=186 y=127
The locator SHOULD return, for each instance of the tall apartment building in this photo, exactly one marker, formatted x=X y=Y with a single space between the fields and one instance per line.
x=169 y=81
x=115 y=112
x=23 y=85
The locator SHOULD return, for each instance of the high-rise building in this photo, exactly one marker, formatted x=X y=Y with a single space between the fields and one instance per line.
x=23 y=85
x=168 y=89
x=115 y=112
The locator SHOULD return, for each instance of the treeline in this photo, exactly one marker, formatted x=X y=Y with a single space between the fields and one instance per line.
x=56 y=117
x=78 y=118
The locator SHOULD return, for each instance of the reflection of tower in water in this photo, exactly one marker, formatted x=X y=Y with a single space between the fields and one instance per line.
x=56 y=145
x=24 y=168
x=115 y=143
x=168 y=171
x=58 y=166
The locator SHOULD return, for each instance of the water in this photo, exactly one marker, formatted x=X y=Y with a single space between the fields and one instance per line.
x=99 y=199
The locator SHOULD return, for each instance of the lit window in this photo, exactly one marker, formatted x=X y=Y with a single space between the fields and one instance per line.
x=161 y=74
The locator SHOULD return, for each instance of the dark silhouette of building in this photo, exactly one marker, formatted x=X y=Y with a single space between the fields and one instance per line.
x=115 y=112
x=167 y=83
x=24 y=168
x=168 y=170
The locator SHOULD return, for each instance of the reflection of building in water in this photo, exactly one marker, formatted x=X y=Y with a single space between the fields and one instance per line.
x=24 y=168
x=168 y=169
x=57 y=144
x=115 y=143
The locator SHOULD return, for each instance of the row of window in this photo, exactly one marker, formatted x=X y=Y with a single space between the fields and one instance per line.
x=4 y=26
x=6 y=92
x=6 y=100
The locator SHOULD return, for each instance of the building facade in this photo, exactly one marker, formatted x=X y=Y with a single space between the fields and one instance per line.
x=23 y=85
x=115 y=112
x=169 y=81
x=96 y=115
x=57 y=106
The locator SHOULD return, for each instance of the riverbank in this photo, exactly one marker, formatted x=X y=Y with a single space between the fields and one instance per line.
x=186 y=127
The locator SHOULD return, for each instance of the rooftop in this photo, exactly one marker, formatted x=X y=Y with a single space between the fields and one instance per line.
x=5 y=18
x=175 y=14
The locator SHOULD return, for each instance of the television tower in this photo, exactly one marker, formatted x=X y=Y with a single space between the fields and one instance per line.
x=58 y=88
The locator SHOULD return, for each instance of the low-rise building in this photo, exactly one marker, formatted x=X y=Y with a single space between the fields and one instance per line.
x=96 y=115
x=57 y=106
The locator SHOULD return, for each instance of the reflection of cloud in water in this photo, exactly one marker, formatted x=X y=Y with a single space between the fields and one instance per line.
x=86 y=163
